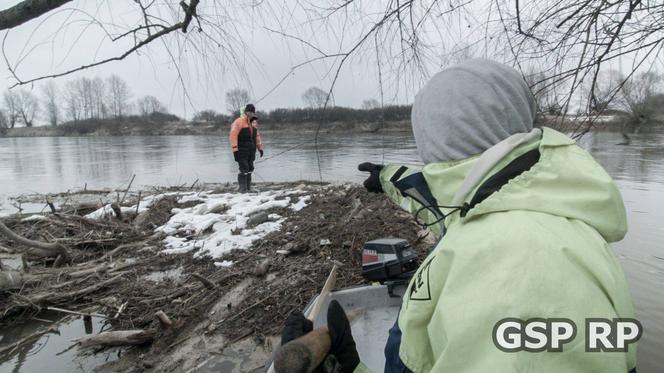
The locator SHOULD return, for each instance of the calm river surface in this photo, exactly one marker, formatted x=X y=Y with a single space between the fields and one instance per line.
x=42 y=165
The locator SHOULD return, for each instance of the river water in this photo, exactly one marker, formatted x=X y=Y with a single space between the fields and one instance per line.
x=44 y=165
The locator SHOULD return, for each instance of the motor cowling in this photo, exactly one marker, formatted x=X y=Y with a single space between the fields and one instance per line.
x=388 y=259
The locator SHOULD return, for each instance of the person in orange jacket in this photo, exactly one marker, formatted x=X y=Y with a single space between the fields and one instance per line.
x=245 y=140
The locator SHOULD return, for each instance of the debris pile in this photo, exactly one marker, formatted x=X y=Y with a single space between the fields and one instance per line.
x=158 y=266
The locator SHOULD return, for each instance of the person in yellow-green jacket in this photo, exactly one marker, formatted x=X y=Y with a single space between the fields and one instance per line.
x=525 y=218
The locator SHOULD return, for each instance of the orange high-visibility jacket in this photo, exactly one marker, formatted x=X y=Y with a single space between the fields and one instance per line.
x=244 y=135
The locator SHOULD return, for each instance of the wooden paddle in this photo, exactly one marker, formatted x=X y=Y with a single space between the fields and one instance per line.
x=307 y=352
x=324 y=294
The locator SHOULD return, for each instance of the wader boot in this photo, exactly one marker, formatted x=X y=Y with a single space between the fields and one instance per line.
x=249 y=190
x=242 y=182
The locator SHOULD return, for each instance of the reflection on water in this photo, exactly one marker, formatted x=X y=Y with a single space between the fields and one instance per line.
x=58 y=164
x=52 y=352
x=639 y=172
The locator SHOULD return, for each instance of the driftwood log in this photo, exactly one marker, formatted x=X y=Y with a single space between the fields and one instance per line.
x=43 y=249
x=118 y=338
x=12 y=280
x=164 y=320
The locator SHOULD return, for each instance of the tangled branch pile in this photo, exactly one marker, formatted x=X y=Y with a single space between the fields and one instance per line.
x=116 y=267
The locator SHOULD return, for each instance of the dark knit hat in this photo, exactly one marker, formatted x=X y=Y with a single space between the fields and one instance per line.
x=250 y=108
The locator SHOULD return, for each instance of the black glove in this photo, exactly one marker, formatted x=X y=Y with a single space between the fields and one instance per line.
x=373 y=182
x=261 y=151
x=236 y=154
x=295 y=326
x=343 y=344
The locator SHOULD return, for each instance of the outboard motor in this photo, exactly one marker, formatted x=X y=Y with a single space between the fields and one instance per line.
x=390 y=261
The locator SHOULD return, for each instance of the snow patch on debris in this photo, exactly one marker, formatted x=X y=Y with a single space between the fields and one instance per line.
x=206 y=232
x=35 y=218
x=301 y=203
x=224 y=263
x=107 y=211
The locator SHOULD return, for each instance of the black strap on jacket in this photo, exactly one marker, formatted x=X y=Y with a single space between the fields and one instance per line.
x=416 y=187
x=493 y=184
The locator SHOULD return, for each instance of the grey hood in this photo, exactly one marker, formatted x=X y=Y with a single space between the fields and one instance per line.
x=467 y=108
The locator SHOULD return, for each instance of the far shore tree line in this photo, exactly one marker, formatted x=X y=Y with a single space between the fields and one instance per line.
x=82 y=99
x=640 y=97
x=93 y=102
x=318 y=109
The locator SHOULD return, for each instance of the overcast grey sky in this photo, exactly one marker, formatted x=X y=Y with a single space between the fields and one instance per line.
x=207 y=75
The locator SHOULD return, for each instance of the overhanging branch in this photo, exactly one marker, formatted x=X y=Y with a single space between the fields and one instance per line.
x=27 y=10
x=190 y=13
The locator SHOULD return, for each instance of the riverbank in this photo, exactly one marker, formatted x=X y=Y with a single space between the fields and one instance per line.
x=223 y=268
x=199 y=129
x=610 y=123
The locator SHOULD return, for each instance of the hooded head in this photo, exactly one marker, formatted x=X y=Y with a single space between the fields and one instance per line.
x=467 y=108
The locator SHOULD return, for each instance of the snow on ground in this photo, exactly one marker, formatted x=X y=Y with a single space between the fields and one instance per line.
x=219 y=223
x=107 y=211
x=301 y=203
x=35 y=218
x=224 y=263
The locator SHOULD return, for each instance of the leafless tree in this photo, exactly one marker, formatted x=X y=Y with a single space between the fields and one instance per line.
x=547 y=96
x=50 y=95
x=636 y=96
x=236 y=99
x=84 y=91
x=28 y=105
x=73 y=102
x=4 y=121
x=371 y=103
x=314 y=97
x=97 y=98
x=86 y=99
x=205 y=116
x=150 y=104
x=12 y=106
x=606 y=91
x=119 y=95
x=81 y=96
x=570 y=41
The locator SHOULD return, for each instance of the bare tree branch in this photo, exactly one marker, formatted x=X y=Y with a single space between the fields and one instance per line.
x=27 y=10
x=190 y=12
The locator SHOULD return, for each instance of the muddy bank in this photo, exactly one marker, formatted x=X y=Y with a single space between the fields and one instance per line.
x=225 y=269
